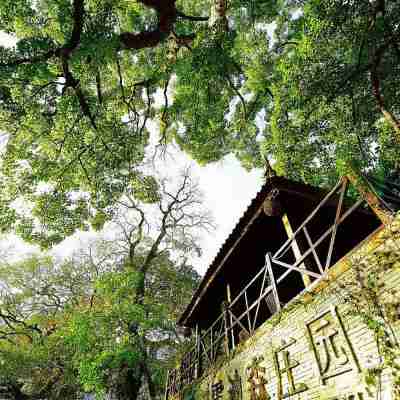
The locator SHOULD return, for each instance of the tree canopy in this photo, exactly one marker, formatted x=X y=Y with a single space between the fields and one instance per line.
x=307 y=84
x=303 y=83
x=103 y=321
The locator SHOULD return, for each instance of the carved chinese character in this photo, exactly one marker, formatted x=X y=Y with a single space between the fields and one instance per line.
x=285 y=367
x=331 y=346
x=206 y=392
x=235 y=386
x=257 y=381
x=216 y=390
x=357 y=396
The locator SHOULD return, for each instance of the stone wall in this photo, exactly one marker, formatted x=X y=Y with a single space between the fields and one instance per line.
x=336 y=340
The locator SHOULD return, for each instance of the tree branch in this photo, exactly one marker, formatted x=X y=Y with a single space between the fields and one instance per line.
x=73 y=83
x=191 y=17
x=73 y=42
x=235 y=89
x=376 y=88
x=167 y=15
x=32 y=60
x=98 y=87
x=78 y=14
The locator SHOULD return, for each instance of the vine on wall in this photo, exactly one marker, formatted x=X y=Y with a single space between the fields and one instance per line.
x=372 y=297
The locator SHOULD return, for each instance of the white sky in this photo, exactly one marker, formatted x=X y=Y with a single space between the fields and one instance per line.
x=228 y=189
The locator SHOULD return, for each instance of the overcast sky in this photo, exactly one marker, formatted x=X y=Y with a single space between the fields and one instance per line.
x=228 y=191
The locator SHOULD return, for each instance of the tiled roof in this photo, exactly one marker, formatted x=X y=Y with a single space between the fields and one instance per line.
x=229 y=242
x=281 y=183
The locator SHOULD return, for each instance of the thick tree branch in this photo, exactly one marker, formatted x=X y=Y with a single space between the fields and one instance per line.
x=164 y=113
x=78 y=14
x=376 y=88
x=147 y=112
x=71 y=82
x=389 y=116
x=167 y=14
x=98 y=87
x=139 y=238
x=191 y=17
x=121 y=85
x=32 y=60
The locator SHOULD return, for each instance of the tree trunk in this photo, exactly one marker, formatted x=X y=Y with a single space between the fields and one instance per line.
x=150 y=383
x=389 y=116
x=134 y=383
x=128 y=384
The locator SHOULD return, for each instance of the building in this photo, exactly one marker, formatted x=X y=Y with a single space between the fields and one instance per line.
x=301 y=301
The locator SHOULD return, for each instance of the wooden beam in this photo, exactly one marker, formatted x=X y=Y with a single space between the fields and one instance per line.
x=229 y=298
x=226 y=330
x=323 y=236
x=248 y=314
x=166 y=395
x=295 y=268
x=285 y=246
x=261 y=293
x=296 y=249
x=370 y=197
x=197 y=372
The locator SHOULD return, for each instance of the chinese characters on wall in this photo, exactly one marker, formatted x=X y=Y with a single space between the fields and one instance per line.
x=285 y=368
x=235 y=386
x=256 y=380
x=331 y=346
x=332 y=353
x=216 y=390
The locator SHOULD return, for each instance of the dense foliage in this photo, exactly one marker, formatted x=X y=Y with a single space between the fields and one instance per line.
x=305 y=83
x=66 y=331
x=103 y=322
x=336 y=93
x=309 y=84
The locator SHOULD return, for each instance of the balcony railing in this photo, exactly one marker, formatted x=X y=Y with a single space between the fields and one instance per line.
x=222 y=336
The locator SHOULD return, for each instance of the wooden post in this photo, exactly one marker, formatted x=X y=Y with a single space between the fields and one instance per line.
x=167 y=387
x=198 y=354
x=295 y=248
x=212 y=344
x=229 y=298
x=226 y=339
x=311 y=245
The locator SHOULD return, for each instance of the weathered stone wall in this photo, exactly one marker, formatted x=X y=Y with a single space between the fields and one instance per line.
x=336 y=340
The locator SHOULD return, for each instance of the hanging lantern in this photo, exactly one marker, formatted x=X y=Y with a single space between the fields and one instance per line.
x=272 y=205
x=186 y=332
